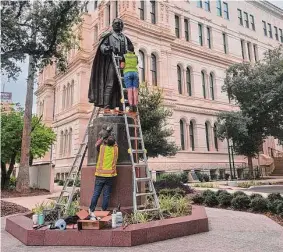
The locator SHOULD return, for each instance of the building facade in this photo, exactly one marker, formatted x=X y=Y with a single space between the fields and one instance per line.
x=184 y=47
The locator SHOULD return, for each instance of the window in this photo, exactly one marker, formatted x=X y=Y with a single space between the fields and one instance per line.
x=192 y=137
x=207 y=5
x=243 y=48
x=252 y=22
x=116 y=8
x=182 y=134
x=269 y=30
x=219 y=8
x=68 y=96
x=264 y=28
x=211 y=82
x=142 y=65
x=61 y=143
x=141 y=8
x=215 y=137
x=249 y=51
x=64 y=98
x=179 y=76
x=225 y=10
x=240 y=17
x=246 y=18
x=255 y=52
x=186 y=24
x=65 y=149
x=200 y=34
x=224 y=36
x=70 y=142
x=108 y=14
x=276 y=33
x=189 y=82
x=208 y=29
x=95 y=36
x=199 y=3
x=153 y=12
x=95 y=4
x=203 y=84
x=72 y=92
x=177 y=26
x=153 y=70
x=207 y=135
x=281 y=35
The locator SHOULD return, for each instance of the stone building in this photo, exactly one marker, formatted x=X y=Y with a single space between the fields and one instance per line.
x=184 y=47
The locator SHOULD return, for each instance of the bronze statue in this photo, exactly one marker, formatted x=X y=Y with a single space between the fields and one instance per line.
x=104 y=88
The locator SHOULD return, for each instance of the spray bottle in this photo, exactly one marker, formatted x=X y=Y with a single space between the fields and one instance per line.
x=114 y=219
x=119 y=217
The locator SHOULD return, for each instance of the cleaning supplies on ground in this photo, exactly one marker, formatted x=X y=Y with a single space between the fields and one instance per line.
x=60 y=224
x=114 y=219
x=119 y=218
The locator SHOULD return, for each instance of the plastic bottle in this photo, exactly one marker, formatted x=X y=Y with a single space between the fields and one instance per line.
x=114 y=219
x=119 y=218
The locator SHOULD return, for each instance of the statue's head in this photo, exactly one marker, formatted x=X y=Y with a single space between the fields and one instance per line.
x=117 y=25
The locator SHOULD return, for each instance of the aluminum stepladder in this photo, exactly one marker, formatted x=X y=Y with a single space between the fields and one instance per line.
x=69 y=191
x=142 y=151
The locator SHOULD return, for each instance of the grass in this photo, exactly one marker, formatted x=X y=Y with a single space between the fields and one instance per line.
x=249 y=184
x=206 y=185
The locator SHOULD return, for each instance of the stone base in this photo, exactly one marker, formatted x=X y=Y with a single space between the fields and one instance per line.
x=21 y=227
x=122 y=192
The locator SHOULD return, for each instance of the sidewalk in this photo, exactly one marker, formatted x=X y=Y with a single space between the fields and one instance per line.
x=30 y=202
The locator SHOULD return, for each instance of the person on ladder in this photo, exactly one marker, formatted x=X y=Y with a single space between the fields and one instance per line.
x=129 y=64
x=105 y=172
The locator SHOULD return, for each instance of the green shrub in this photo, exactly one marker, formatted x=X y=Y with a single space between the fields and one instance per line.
x=227 y=176
x=279 y=209
x=211 y=200
x=259 y=204
x=206 y=185
x=221 y=192
x=172 y=192
x=170 y=177
x=61 y=182
x=240 y=202
x=78 y=183
x=56 y=180
x=208 y=192
x=213 y=176
x=255 y=195
x=184 y=177
x=237 y=193
x=272 y=205
x=225 y=199
x=71 y=182
x=198 y=198
x=274 y=196
x=205 y=177
x=171 y=184
x=200 y=176
x=249 y=184
x=175 y=206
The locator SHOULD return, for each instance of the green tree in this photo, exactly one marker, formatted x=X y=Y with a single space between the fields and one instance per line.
x=42 y=137
x=43 y=31
x=154 y=123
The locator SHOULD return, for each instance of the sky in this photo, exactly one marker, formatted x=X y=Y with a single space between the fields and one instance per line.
x=18 y=88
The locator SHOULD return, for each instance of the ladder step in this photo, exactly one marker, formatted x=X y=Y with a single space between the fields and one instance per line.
x=143 y=179
x=144 y=194
x=139 y=165
x=136 y=138
x=138 y=151
x=133 y=125
x=149 y=209
x=59 y=204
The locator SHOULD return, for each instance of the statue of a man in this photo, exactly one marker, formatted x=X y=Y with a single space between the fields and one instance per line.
x=104 y=88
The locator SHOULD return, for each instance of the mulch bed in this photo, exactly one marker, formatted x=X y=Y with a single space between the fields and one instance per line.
x=275 y=218
x=8 y=208
x=15 y=194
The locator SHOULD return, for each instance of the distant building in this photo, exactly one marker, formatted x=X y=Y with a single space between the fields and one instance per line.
x=183 y=47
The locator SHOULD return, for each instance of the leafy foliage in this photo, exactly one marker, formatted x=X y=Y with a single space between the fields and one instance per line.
x=49 y=22
x=238 y=193
x=154 y=123
x=225 y=199
x=255 y=195
x=259 y=204
x=211 y=200
x=198 y=198
x=274 y=196
x=241 y=202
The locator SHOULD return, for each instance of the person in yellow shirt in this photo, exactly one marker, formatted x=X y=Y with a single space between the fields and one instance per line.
x=105 y=172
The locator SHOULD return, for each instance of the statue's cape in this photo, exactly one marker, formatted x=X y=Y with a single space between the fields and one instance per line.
x=98 y=77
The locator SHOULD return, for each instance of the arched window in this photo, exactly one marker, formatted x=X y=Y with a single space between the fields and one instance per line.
x=182 y=134
x=207 y=135
x=68 y=96
x=179 y=76
x=61 y=143
x=142 y=65
x=153 y=69
x=70 y=142
x=192 y=136
x=189 y=82
x=65 y=150
x=215 y=137
x=211 y=82
x=203 y=84
x=64 y=98
x=72 y=93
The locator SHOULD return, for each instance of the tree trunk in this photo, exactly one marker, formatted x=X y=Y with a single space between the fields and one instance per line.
x=10 y=170
x=3 y=174
x=23 y=176
x=250 y=164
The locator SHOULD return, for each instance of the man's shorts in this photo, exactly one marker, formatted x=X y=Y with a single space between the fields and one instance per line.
x=131 y=80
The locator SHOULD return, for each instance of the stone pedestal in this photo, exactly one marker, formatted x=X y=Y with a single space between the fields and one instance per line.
x=122 y=191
